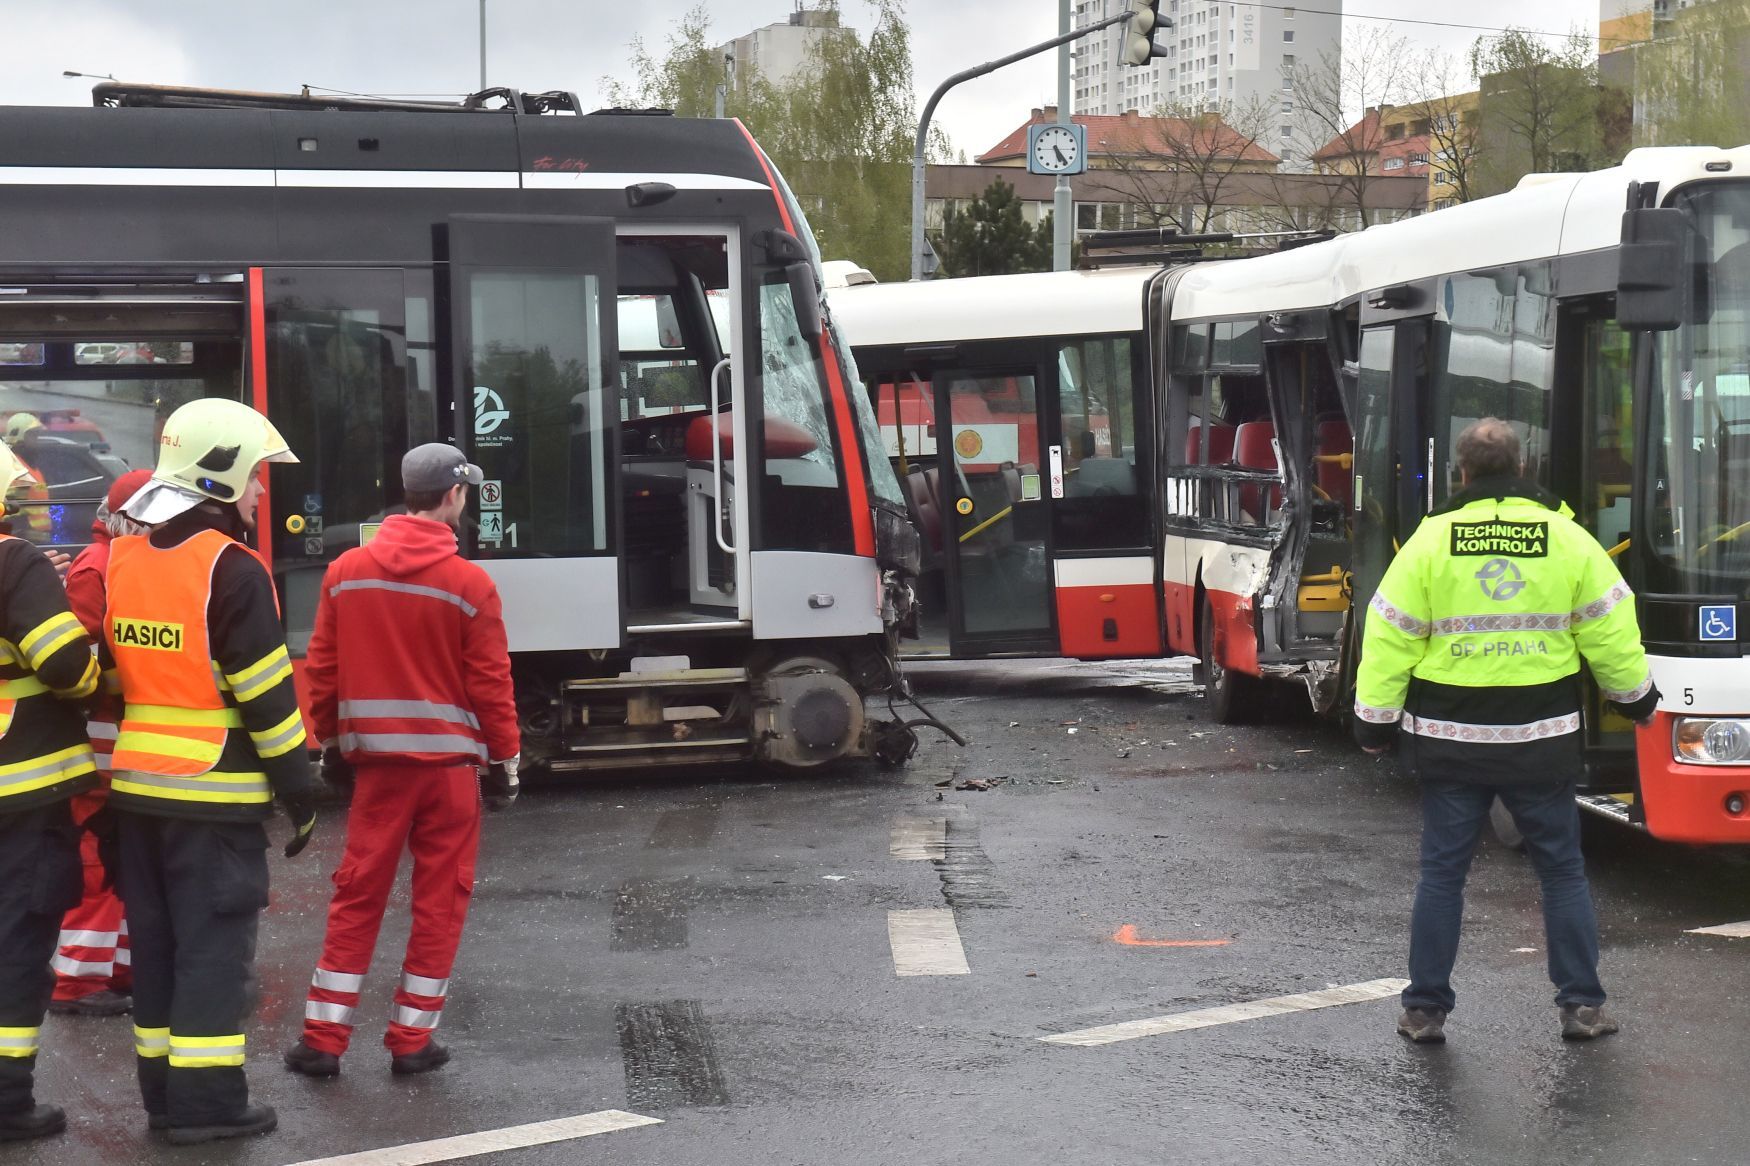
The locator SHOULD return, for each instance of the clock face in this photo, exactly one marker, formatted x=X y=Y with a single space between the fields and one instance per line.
x=1055 y=149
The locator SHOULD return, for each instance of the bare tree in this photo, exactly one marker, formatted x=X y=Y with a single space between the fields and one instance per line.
x=1439 y=89
x=1541 y=107
x=1368 y=76
x=1180 y=168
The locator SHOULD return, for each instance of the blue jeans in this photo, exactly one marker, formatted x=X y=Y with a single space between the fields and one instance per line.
x=1453 y=814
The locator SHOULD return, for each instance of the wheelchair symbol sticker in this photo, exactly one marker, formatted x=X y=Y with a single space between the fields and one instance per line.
x=1719 y=622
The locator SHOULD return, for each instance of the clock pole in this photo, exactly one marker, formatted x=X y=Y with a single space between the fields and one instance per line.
x=1061 y=209
x=917 y=158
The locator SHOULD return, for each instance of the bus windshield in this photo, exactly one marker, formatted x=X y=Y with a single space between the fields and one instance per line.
x=1701 y=475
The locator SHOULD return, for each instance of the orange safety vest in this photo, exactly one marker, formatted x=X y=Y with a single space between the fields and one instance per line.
x=176 y=717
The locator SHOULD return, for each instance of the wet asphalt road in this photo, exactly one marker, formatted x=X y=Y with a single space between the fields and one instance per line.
x=714 y=952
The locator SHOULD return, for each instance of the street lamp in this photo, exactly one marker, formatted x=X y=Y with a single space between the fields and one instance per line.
x=482 y=46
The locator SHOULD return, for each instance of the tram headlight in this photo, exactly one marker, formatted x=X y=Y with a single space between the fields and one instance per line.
x=1711 y=741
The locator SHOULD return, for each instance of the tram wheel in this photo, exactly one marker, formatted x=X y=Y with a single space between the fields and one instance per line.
x=1227 y=692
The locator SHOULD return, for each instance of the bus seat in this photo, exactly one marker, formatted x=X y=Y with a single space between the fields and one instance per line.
x=923 y=508
x=933 y=482
x=1334 y=478
x=1221 y=445
x=1254 y=449
x=783 y=439
x=1102 y=476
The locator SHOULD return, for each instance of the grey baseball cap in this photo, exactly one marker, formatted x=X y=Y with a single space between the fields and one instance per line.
x=436 y=466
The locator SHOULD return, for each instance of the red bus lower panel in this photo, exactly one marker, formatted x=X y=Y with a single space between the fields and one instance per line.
x=1688 y=803
x=1118 y=621
x=1236 y=640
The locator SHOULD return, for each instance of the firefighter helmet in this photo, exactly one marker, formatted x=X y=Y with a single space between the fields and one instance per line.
x=209 y=449
x=20 y=424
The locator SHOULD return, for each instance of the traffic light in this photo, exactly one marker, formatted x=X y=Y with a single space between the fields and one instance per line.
x=1139 y=34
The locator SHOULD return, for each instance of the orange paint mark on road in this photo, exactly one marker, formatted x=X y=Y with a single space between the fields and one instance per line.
x=1128 y=937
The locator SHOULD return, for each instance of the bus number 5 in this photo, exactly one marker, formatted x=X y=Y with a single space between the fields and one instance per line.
x=1689 y=696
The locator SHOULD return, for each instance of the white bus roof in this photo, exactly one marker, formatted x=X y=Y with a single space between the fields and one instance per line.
x=1544 y=216
x=992 y=307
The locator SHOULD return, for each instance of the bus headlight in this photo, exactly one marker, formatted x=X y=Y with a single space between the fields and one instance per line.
x=1711 y=741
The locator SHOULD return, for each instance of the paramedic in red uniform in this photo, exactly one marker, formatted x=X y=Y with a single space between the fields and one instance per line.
x=410 y=694
x=92 y=976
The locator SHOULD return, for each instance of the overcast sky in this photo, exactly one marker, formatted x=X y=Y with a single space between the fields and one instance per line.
x=431 y=46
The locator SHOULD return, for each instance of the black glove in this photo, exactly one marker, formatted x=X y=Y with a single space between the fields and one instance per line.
x=301 y=809
x=499 y=785
x=336 y=770
x=102 y=825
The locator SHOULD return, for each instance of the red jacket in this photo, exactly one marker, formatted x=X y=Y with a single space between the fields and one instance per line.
x=408 y=662
x=85 y=587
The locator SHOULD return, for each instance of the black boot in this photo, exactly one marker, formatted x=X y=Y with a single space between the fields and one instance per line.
x=432 y=1056
x=301 y=1058
x=105 y=1002
x=39 y=1122
x=255 y=1119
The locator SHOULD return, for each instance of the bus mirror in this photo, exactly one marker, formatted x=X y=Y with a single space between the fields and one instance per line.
x=1654 y=269
x=805 y=294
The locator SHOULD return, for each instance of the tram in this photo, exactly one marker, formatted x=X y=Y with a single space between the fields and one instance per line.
x=1297 y=414
x=617 y=315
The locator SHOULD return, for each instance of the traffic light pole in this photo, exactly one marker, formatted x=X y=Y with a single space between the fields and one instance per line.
x=1062 y=206
x=917 y=161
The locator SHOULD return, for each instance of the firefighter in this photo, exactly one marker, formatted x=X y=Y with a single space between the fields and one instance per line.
x=210 y=732
x=410 y=692
x=1471 y=661
x=92 y=973
x=46 y=668
x=22 y=430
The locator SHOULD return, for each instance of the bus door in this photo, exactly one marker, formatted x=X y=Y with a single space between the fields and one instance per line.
x=1393 y=455
x=993 y=480
x=533 y=368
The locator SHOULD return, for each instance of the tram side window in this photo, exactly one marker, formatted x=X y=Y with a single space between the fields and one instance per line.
x=540 y=419
x=803 y=507
x=338 y=390
x=1102 y=504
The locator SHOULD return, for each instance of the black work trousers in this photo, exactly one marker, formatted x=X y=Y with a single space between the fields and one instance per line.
x=193 y=891
x=40 y=880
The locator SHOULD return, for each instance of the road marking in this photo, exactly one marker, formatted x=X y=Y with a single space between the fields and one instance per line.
x=1228 y=1013
x=537 y=1133
x=920 y=839
x=1729 y=930
x=926 y=943
x=1128 y=937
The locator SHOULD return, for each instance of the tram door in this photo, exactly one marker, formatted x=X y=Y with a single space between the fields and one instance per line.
x=993 y=474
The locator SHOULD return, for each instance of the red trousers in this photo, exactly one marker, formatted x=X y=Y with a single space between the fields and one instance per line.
x=435 y=812
x=92 y=954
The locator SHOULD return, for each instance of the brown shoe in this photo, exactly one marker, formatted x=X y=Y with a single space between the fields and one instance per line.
x=1425 y=1026
x=1585 y=1022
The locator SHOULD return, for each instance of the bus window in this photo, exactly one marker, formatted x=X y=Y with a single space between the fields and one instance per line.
x=1102 y=504
x=802 y=507
x=1608 y=451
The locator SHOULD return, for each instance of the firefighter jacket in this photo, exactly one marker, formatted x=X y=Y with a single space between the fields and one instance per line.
x=408 y=663
x=1474 y=639
x=46 y=668
x=210 y=727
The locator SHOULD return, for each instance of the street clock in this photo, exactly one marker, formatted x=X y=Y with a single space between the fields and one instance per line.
x=1054 y=148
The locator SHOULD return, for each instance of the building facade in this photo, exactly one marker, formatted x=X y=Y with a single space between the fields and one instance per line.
x=778 y=52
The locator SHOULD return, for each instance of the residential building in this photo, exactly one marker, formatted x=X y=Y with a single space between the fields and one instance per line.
x=1133 y=140
x=1241 y=54
x=780 y=51
x=1431 y=140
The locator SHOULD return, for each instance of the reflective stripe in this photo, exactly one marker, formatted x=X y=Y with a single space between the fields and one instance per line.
x=332 y=1013
x=151 y=1042
x=72 y=967
x=39 y=772
x=205 y=1052
x=415 y=709
x=207 y=787
x=261 y=675
x=205 y=753
x=163 y=714
x=50 y=636
x=1530 y=621
x=1604 y=605
x=1377 y=716
x=19 y=1042
x=404 y=589
x=1493 y=734
x=421 y=986
x=417 y=1018
x=123 y=957
x=411 y=743
x=1631 y=695
x=1397 y=618
x=22 y=687
x=89 y=938
x=336 y=981
x=102 y=730
x=87 y=682
x=282 y=738
x=9 y=653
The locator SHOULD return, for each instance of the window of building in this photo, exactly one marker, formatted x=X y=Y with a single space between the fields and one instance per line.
x=1418 y=159
x=1287 y=132
x=1393 y=164
x=1288 y=14
x=1287 y=35
x=1288 y=107
x=1288 y=60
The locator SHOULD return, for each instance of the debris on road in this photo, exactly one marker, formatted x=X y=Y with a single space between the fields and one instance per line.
x=981 y=783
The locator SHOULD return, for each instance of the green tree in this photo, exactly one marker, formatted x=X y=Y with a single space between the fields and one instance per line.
x=1542 y=108
x=840 y=131
x=1693 y=79
x=989 y=236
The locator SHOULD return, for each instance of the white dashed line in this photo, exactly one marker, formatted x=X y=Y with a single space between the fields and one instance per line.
x=1228 y=1013
x=926 y=943
x=1729 y=930
x=490 y=1141
x=916 y=839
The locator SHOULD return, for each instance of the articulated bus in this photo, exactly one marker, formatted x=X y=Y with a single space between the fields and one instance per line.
x=1302 y=412
x=701 y=552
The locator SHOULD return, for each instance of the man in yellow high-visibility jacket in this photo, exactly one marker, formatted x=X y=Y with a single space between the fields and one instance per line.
x=1471 y=661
